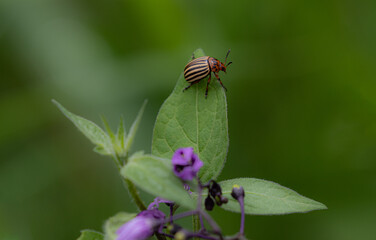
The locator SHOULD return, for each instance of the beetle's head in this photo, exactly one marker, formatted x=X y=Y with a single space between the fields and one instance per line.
x=223 y=67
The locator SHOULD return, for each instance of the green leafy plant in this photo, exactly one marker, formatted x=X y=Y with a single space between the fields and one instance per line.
x=186 y=122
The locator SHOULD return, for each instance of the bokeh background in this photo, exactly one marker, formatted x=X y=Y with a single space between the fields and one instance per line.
x=301 y=101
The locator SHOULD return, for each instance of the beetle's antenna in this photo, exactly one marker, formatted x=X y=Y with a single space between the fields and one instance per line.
x=228 y=64
x=227 y=55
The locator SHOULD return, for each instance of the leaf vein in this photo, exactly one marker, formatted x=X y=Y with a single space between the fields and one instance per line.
x=184 y=131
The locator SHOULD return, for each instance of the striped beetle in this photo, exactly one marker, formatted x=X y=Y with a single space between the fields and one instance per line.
x=200 y=68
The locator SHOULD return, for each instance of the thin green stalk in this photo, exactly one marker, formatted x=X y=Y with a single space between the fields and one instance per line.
x=133 y=190
x=196 y=224
x=130 y=185
x=134 y=193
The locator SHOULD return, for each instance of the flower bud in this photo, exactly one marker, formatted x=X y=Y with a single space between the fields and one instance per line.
x=215 y=189
x=237 y=192
x=209 y=203
x=142 y=226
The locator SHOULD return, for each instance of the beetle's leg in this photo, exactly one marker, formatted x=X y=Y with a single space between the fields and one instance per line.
x=216 y=75
x=207 y=86
x=190 y=85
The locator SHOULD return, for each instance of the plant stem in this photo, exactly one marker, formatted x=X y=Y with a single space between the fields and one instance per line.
x=216 y=229
x=241 y=202
x=181 y=215
x=171 y=213
x=197 y=219
x=196 y=224
x=130 y=185
x=134 y=193
x=199 y=203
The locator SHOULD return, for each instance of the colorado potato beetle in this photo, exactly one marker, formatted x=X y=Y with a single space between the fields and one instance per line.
x=200 y=68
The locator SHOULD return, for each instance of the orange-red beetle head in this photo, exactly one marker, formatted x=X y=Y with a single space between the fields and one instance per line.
x=222 y=67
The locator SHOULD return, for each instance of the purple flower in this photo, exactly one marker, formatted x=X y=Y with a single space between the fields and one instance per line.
x=142 y=226
x=186 y=163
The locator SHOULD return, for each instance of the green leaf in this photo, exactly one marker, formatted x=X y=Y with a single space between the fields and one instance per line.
x=114 y=223
x=134 y=127
x=100 y=150
x=121 y=134
x=154 y=175
x=187 y=119
x=267 y=198
x=94 y=133
x=90 y=235
x=109 y=131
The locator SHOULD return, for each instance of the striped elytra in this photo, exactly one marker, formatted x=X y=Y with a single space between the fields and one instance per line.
x=197 y=69
x=200 y=68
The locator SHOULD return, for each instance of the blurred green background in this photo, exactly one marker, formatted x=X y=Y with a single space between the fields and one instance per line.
x=301 y=101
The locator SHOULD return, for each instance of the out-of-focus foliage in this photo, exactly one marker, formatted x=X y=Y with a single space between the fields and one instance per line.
x=301 y=100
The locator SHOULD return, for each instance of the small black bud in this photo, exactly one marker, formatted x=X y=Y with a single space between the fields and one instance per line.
x=209 y=203
x=215 y=190
x=237 y=191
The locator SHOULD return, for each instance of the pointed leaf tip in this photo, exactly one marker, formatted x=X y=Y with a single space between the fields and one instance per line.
x=134 y=127
x=109 y=130
x=267 y=198
x=121 y=133
x=91 y=130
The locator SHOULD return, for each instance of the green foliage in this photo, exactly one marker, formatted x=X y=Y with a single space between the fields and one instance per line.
x=106 y=143
x=154 y=175
x=187 y=119
x=121 y=134
x=92 y=131
x=267 y=198
x=90 y=235
x=134 y=127
x=109 y=131
x=113 y=223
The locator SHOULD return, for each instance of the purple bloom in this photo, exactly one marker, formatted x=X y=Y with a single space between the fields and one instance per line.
x=186 y=163
x=141 y=227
